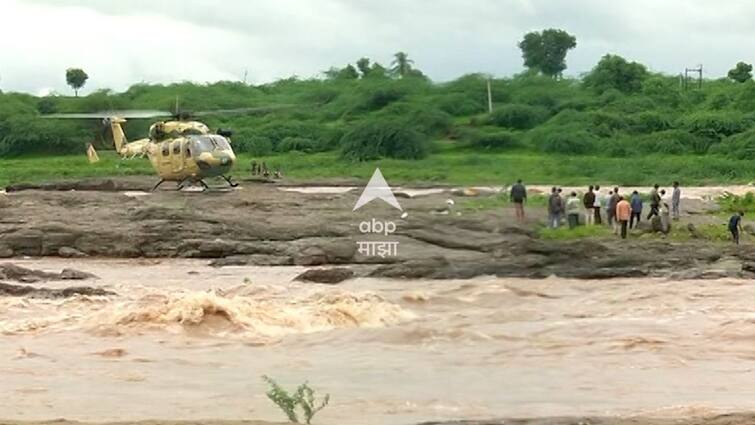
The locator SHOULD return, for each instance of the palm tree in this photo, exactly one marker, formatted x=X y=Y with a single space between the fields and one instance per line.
x=401 y=65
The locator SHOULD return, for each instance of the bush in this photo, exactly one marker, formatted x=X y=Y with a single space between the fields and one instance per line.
x=256 y=145
x=649 y=122
x=460 y=105
x=300 y=144
x=674 y=142
x=566 y=141
x=714 y=124
x=497 y=140
x=605 y=124
x=377 y=139
x=430 y=121
x=519 y=117
x=739 y=146
x=22 y=135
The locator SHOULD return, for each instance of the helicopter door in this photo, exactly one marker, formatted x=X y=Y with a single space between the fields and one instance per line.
x=177 y=155
x=164 y=158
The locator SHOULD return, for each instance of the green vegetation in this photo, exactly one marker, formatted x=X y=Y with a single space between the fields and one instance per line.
x=620 y=123
x=731 y=203
x=579 y=232
x=76 y=78
x=303 y=399
x=501 y=200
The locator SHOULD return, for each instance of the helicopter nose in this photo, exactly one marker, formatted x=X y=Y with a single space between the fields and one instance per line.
x=226 y=160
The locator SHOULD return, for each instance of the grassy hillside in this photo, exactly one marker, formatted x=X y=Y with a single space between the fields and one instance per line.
x=627 y=128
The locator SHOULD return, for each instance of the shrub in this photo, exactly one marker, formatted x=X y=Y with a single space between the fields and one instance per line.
x=497 y=140
x=250 y=143
x=675 y=142
x=300 y=144
x=738 y=146
x=566 y=141
x=649 y=122
x=714 y=124
x=376 y=139
x=303 y=398
x=516 y=116
x=430 y=121
x=604 y=124
x=460 y=105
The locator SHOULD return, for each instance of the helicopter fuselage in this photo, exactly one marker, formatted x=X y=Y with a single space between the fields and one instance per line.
x=191 y=157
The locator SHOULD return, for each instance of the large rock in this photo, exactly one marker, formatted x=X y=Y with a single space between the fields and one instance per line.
x=329 y=276
x=32 y=292
x=68 y=252
x=10 y=271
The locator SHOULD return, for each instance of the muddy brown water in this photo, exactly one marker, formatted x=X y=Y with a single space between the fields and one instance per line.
x=186 y=341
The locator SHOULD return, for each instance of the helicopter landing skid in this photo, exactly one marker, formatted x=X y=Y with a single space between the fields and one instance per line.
x=157 y=185
x=230 y=181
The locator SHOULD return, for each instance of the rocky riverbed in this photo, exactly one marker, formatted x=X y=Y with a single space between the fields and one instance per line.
x=267 y=225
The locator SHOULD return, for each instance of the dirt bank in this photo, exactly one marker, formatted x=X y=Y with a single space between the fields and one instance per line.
x=265 y=224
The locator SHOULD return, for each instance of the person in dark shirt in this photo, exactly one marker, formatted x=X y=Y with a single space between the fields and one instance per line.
x=735 y=226
x=636 y=203
x=519 y=197
x=655 y=202
x=589 y=202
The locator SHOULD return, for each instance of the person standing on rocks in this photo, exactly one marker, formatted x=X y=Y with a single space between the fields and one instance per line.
x=676 y=197
x=623 y=214
x=589 y=202
x=519 y=197
x=611 y=209
x=655 y=202
x=572 y=210
x=555 y=208
x=596 y=205
x=735 y=226
x=665 y=215
x=636 y=203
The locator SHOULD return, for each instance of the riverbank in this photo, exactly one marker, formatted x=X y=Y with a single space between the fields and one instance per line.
x=440 y=233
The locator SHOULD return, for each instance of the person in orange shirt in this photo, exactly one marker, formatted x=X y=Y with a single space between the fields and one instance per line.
x=623 y=213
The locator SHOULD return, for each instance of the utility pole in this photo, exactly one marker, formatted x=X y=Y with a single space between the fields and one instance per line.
x=698 y=71
x=246 y=72
x=490 y=98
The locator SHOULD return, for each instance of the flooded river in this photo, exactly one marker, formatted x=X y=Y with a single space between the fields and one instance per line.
x=182 y=340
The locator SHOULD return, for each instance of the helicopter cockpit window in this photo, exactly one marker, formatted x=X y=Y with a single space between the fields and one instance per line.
x=221 y=142
x=208 y=143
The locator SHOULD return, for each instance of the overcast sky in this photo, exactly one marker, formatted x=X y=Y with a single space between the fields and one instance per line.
x=119 y=42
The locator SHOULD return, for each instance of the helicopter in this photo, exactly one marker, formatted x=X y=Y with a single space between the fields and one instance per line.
x=180 y=150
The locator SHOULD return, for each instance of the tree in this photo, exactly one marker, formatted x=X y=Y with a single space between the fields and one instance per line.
x=615 y=72
x=741 y=73
x=401 y=65
x=377 y=71
x=545 y=51
x=363 y=65
x=346 y=73
x=76 y=78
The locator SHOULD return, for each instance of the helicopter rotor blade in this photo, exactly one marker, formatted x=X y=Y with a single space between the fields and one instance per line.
x=127 y=114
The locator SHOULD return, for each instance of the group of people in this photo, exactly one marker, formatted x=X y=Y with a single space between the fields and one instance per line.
x=621 y=212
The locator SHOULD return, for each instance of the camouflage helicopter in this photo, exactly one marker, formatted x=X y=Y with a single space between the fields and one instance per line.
x=180 y=150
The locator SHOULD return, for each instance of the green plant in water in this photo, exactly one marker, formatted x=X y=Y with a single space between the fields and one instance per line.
x=731 y=203
x=303 y=398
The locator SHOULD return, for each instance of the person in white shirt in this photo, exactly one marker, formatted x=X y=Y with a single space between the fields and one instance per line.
x=598 y=203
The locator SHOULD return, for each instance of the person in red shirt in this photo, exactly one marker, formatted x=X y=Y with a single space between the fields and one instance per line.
x=623 y=213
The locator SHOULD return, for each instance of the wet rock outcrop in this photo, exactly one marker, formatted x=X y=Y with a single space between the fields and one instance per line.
x=11 y=290
x=10 y=271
